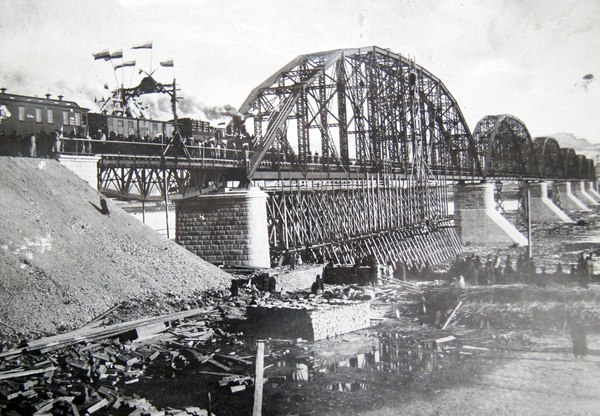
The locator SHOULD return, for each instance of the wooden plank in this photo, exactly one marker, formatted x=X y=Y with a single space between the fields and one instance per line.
x=452 y=315
x=8 y=375
x=79 y=335
x=259 y=379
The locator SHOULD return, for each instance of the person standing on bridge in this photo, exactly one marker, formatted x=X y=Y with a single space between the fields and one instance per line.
x=88 y=144
x=32 y=146
x=57 y=142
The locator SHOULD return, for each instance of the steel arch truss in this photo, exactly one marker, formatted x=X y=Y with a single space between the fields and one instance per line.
x=505 y=148
x=583 y=167
x=368 y=107
x=550 y=160
x=571 y=164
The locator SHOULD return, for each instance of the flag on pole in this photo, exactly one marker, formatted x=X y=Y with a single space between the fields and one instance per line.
x=124 y=64
x=105 y=54
x=147 y=45
x=168 y=63
x=117 y=54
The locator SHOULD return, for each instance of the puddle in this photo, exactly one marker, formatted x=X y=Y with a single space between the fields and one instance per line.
x=393 y=355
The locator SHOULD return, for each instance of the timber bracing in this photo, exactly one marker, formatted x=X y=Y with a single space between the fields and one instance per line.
x=343 y=219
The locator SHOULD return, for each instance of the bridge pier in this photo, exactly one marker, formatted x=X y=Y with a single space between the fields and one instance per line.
x=477 y=220
x=592 y=190
x=568 y=200
x=542 y=209
x=580 y=191
x=84 y=166
x=229 y=228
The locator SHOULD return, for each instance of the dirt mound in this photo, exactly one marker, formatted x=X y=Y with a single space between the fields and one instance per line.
x=62 y=262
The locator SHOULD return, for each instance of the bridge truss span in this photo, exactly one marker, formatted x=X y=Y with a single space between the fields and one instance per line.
x=368 y=106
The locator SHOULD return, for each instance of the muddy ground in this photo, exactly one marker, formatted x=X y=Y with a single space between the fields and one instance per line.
x=519 y=364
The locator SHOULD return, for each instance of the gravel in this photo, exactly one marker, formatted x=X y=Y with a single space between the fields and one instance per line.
x=62 y=262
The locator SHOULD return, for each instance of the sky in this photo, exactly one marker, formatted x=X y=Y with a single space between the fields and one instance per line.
x=536 y=60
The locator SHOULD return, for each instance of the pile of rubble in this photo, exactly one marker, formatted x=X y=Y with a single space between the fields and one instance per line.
x=82 y=371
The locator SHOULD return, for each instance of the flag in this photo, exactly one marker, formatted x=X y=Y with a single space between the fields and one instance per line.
x=168 y=63
x=147 y=45
x=116 y=55
x=105 y=54
x=127 y=63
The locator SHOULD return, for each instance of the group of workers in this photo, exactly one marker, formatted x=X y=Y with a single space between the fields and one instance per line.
x=495 y=270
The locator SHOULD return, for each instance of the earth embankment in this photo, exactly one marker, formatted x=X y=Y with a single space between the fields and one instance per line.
x=62 y=262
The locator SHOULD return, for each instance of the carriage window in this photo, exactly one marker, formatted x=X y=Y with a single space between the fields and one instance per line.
x=66 y=118
x=78 y=119
x=21 y=113
x=50 y=117
x=38 y=115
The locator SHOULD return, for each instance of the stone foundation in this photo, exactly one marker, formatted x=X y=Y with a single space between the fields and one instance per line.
x=477 y=220
x=228 y=228
x=580 y=191
x=569 y=201
x=313 y=323
x=592 y=191
x=542 y=207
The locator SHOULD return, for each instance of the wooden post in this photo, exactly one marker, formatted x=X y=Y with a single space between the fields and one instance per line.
x=143 y=211
x=209 y=405
x=166 y=187
x=529 y=242
x=258 y=379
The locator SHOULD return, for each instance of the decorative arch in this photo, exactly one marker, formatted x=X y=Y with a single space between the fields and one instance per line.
x=549 y=157
x=505 y=147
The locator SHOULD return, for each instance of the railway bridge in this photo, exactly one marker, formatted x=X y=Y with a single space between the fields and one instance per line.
x=352 y=152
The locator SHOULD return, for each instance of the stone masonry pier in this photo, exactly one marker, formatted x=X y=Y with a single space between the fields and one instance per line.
x=228 y=228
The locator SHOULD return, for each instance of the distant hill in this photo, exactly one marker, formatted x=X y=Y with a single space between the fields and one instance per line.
x=569 y=140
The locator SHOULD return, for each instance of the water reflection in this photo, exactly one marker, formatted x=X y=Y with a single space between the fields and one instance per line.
x=393 y=354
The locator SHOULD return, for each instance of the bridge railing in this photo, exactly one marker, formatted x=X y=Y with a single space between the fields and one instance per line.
x=209 y=156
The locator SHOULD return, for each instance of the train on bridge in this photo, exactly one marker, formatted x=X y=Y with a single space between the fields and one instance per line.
x=22 y=116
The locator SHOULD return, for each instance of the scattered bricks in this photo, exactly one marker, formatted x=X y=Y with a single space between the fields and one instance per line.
x=44 y=406
x=101 y=357
x=100 y=405
x=29 y=394
x=80 y=365
x=108 y=394
x=153 y=356
x=143 y=332
x=28 y=384
x=7 y=394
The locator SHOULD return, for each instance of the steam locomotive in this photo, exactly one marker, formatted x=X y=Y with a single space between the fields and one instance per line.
x=21 y=116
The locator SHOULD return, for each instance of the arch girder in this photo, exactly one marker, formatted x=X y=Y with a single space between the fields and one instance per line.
x=505 y=147
x=369 y=104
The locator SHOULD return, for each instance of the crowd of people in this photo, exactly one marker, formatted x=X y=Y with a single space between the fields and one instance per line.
x=498 y=270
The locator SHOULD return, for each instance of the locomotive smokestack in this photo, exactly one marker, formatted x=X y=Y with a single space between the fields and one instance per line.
x=60 y=97
x=2 y=90
x=48 y=96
